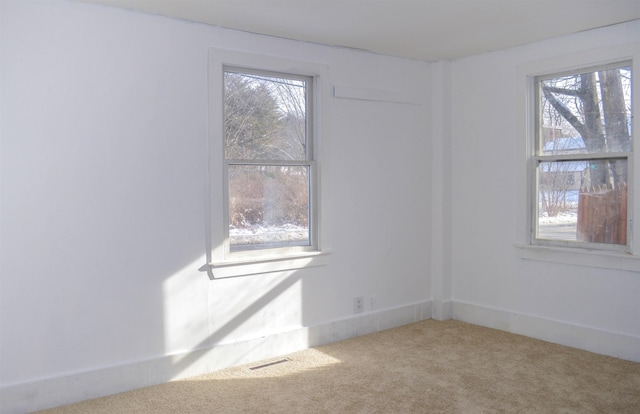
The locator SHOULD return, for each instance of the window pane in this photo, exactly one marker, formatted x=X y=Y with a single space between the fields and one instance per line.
x=264 y=117
x=585 y=113
x=268 y=206
x=570 y=208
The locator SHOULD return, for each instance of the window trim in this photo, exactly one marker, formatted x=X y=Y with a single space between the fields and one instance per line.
x=526 y=246
x=220 y=261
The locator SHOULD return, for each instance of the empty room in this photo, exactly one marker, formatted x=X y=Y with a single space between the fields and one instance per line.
x=321 y=206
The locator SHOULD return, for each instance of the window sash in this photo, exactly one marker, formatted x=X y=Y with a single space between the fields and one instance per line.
x=284 y=248
x=309 y=106
x=278 y=247
x=538 y=158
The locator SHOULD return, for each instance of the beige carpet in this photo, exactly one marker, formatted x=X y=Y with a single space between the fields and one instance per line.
x=426 y=367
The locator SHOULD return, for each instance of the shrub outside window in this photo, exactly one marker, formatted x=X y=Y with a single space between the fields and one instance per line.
x=268 y=161
x=582 y=158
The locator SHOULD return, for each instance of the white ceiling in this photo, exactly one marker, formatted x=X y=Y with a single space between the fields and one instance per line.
x=419 y=29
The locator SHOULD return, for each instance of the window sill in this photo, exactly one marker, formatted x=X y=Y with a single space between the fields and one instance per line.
x=266 y=264
x=580 y=257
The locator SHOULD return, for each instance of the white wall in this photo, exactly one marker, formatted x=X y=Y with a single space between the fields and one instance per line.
x=103 y=175
x=588 y=307
x=104 y=186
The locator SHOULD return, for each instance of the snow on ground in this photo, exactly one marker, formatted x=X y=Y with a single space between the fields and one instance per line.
x=570 y=217
x=263 y=234
x=266 y=234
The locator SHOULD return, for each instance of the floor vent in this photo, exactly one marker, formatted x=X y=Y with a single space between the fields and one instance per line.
x=269 y=364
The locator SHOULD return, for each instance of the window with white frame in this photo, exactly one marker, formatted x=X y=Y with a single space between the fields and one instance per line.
x=264 y=180
x=269 y=168
x=582 y=156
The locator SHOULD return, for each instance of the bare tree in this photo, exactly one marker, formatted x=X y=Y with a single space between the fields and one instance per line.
x=264 y=130
x=594 y=105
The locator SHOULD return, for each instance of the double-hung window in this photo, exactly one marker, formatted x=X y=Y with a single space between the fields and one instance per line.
x=582 y=158
x=269 y=164
x=265 y=203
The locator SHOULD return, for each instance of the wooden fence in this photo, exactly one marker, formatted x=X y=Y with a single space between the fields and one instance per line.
x=602 y=215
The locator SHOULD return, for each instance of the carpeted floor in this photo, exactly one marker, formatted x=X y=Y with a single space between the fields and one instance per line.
x=426 y=367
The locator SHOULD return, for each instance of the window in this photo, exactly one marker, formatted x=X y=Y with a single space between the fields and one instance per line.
x=268 y=161
x=581 y=160
x=265 y=204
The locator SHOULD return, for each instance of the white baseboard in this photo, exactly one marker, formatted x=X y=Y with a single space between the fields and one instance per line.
x=442 y=310
x=53 y=392
x=590 y=339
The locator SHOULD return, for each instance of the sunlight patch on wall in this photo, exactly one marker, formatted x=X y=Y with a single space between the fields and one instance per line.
x=185 y=309
x=247 y=308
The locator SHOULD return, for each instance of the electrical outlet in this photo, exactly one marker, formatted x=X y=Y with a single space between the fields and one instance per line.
x=358 y=304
